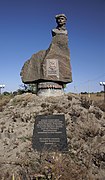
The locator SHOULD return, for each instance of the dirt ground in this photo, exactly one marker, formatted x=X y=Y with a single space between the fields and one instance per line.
x=85 y=127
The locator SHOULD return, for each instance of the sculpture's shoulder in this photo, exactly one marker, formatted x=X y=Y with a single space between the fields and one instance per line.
x=57 y=31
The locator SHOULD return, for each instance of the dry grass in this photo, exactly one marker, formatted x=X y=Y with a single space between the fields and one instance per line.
x=96 y=98
x=48 y=166
x=4 y=99
x=93 y=96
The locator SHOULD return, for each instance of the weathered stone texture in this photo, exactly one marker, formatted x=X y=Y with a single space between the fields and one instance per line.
x=35 y=69
x=54 y=63
x=59 y=50
x=31 y=71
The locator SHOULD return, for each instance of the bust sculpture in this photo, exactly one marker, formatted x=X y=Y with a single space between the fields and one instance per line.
x=50 y=68
x=61 y=22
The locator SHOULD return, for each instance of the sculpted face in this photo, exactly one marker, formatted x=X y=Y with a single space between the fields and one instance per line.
x=61 y=21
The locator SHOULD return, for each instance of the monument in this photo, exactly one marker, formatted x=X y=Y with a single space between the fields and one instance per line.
x=50 y=69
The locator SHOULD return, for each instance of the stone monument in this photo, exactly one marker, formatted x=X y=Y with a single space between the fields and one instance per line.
x=50 y=69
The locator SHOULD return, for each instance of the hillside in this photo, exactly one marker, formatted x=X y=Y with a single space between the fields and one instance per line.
x=85 y=124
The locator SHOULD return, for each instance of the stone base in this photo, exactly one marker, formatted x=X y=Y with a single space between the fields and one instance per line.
x=50 y=89
x=50 y=92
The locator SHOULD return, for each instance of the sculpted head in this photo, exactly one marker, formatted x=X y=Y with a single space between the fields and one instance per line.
x=61 y=20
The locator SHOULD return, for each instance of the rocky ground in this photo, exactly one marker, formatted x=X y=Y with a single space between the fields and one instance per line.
x=85 y=124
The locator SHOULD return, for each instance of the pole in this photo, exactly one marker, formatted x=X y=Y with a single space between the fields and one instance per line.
x=103 y=84
x=104 y=93
x=88 y=88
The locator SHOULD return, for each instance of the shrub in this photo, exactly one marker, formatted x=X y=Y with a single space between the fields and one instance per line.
x=85 y=103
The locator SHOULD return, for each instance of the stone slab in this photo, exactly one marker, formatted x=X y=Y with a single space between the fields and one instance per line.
x=49 y=133
x=52 y=67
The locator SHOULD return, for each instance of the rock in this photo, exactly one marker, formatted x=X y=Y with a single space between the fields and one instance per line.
x=31 y=71
x=50 y=65
x=56 y=64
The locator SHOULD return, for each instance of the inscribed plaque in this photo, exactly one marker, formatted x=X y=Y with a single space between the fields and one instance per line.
x=52 y=68
x=49 y=133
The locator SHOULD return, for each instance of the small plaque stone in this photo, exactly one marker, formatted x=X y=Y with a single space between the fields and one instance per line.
x=52 y=67
x=49 y=133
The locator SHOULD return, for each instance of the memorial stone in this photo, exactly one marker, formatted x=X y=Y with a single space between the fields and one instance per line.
x=51 y=65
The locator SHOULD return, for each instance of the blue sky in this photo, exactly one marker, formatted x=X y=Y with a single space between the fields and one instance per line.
x=25 y=28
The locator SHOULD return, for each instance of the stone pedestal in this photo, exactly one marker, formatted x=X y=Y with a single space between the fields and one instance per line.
x=50 y=89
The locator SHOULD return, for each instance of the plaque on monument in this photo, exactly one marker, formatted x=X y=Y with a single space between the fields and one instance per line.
x=49 y=133
x=52 y=67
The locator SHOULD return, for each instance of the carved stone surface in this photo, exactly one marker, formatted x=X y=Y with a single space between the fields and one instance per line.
x=61 y=22
x=52 y=68
x=52 y=64
x=51 y=85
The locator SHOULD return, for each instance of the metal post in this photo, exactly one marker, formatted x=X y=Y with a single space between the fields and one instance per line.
x=104 y=93
x=103 y=84
x=1 y=86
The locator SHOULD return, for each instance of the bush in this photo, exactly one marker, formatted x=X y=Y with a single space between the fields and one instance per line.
x=6 y=93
